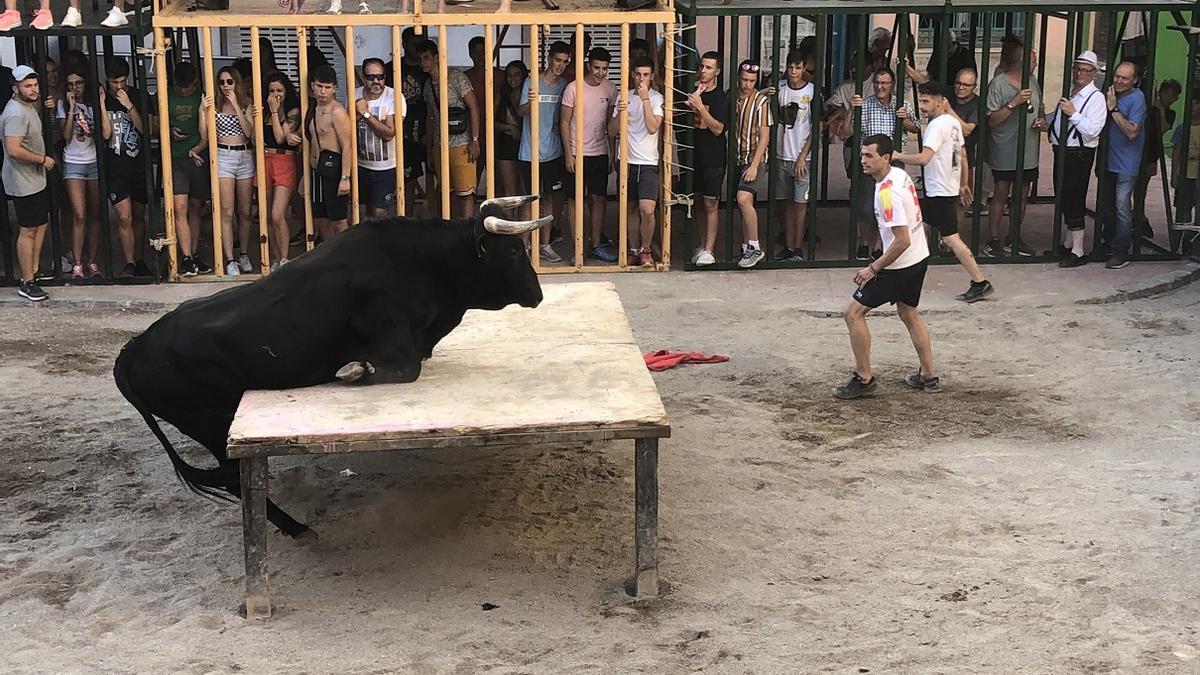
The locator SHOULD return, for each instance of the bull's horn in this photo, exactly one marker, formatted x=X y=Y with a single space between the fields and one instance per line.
x=501 y=226
x=508 y=202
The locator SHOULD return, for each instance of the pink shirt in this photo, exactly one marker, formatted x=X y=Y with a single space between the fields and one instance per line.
x=597 y=103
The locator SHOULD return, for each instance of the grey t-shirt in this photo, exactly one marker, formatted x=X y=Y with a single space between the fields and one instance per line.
x=1002 y=151
x=22 y=179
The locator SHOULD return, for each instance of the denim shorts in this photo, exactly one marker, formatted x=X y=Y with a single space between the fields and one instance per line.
x=237 y=164
x=87 y=171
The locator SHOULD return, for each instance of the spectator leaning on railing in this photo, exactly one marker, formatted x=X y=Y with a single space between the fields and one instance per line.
x=1126 y=138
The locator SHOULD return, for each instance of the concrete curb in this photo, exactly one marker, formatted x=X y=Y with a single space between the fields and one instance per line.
x=1157 y=285
x=139 y=305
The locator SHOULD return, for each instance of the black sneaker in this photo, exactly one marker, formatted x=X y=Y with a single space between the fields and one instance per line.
x=976 y=292
x=1116 y=263
x=187 y=267
x=1073 y=260
x=863 y=253
x=31 y=291
x=130 y=270
x=141 y=269
x=856 y=387
x=877 y=254
x=928 y=385
x=1022 y=247
x=1061 y=252
x=993 y=249
x=200 y=266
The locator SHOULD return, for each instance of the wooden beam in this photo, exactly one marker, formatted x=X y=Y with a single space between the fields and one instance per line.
x=489 y=109
x=305 y=147
x=351 y=64
x=535 y=110
x=669 y=139
x=401 y=114
x=174 y=19
x=259 y=135
x=623 y=148
x=443 y=121
x=210 y=121
x=577 y=118
x=164 y=140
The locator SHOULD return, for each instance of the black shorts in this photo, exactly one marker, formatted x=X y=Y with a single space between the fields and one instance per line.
x=126 y=179
x=1028 y=175
x=902 y=285
x=595 y=177
x=942 y=213
x=709 y=181
x=32 y=210
x=189 y=179
x=645 y=182
x=326 y=202
x=551 y=174
x=414 y=159
x=377 y=189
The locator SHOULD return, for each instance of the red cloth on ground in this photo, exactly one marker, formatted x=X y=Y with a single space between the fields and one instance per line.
x=665 y=359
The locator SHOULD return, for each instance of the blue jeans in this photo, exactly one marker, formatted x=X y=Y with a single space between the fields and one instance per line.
x=1118 y=218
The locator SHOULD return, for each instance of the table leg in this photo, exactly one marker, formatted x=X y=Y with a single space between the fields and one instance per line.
x=645 y=532
x=254 y=534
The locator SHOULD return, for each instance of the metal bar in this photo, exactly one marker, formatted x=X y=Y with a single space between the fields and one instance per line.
x=1176 y=239
x=577 y=117
x=254 y=479
x=623 y=142
x=489 y=105
x=645 y=519
x=943 y=36
x=1060 y=157
x=860 y=42
x=1139 y=204
x=259 y=134
x=981 y=141
x=767 y=235
x=351 y=65
x=210 y=121
x=535 y=138
x=398 y=81
x=689 y=153
x=168 y=159
x=444 y=121
x=46 y=116
x=305 y=148
x=151 y=212
x=820 y=69
x=1113 y=58
x=668 y=138
x=731 y=167
x=1017 y=193
x=101 y=165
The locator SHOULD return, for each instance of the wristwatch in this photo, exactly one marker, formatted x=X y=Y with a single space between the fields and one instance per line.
x=1010 y=106
x=366 y=115
x=1113 y=111
x=346 y=177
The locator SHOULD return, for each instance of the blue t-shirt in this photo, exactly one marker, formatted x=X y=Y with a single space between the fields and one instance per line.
x=549 y=140
x=1124 y=155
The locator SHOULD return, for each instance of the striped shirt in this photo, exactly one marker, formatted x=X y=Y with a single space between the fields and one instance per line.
x=753 y=113
x=375 y=153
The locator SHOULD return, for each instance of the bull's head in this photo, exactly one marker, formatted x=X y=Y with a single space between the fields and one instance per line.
x=501 y=248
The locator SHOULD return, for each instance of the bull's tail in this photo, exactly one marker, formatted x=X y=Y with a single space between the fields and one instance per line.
x=205 y=482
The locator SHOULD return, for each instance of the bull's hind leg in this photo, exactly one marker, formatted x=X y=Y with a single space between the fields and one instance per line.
x=278 y=517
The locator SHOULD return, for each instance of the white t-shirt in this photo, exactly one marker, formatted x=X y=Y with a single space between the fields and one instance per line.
x=375 y=153
x=643 y=147
x=792 y=138
x=80 y=147
x=896 y=205
x=943 y=174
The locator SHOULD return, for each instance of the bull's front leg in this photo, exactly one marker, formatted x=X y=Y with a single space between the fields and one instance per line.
x=367 y=372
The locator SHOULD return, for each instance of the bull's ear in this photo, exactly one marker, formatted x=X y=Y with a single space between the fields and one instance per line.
x=481 y=237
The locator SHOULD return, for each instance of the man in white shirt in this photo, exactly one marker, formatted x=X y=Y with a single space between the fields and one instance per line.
x=1079 y=119
x=645 y=180
x=896 y=277
x=375 y=109
x=947 y=180
x=795 y=141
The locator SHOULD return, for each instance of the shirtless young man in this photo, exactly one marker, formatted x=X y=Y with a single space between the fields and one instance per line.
x=327 y=126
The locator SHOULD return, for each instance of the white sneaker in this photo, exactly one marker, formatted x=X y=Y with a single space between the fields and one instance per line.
x=232 y=269
x=335 y=7
x=283 y=261
x=115 y=19
x=704 y=259
x=244 y=263
x=550 y=255
x=65 y=264
x=274 y=266
x=696 y=254
x=72 y=19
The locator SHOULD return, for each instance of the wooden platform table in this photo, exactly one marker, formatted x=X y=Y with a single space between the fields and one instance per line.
x=566 y=372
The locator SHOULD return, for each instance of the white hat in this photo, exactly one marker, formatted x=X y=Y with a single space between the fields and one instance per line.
x=22 y=73
x=1089 y=57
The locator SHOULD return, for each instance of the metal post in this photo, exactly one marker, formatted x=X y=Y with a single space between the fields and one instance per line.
x=817 y=144
x=1060 y=156
x=981 y=141
x=692 y=66
x=732 y=138
x=860 y=39
x=1017 y=194
x=1139 y=201
x=47 y=117
x=1106 y=186
x=767 y=237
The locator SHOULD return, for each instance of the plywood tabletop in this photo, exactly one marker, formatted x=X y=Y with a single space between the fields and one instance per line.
x=569 y=369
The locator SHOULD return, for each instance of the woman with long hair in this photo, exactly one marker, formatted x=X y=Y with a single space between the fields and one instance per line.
x=281 y=145
x=508 y=123
x=77 y=122
x=235 y=165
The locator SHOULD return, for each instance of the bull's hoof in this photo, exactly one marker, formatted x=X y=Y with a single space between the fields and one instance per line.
x=355 y=371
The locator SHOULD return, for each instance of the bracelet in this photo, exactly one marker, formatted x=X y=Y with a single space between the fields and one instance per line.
x=345 y=177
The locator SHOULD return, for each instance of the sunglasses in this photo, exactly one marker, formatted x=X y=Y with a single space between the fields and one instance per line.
x=223 y=81
x=750 y=67
x=374 y=77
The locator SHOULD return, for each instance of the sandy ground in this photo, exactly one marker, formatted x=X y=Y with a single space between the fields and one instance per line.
x=1040 y=515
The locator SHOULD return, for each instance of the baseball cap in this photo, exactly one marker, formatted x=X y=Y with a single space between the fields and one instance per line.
x=1089 y=57
x=22 y=73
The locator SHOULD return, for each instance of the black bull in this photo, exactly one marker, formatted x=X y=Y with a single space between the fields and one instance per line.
x=368 y=305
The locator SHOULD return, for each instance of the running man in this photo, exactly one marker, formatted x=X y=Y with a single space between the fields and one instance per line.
x=947 y=180
x=895 y=277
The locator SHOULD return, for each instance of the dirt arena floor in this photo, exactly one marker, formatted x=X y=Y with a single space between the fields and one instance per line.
x=1041 y=515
